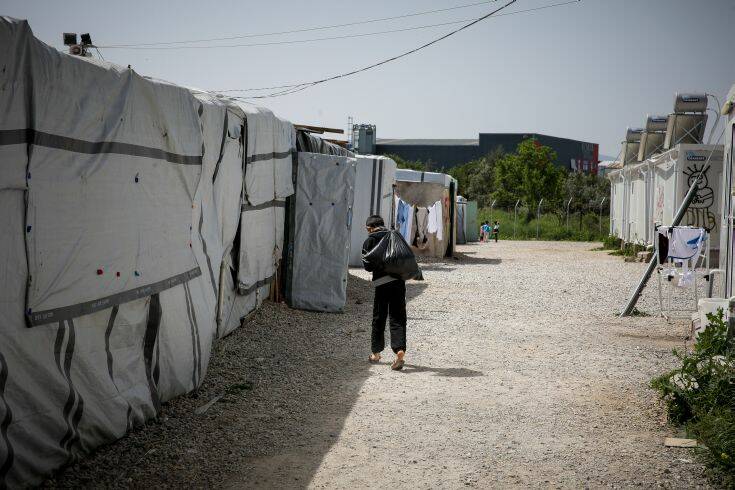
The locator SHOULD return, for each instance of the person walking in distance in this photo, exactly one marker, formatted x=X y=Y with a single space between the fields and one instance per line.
x=496 y=230
x=485 y=231
x=389 y=302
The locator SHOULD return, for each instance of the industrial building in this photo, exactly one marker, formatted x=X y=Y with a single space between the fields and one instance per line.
x=446 y=153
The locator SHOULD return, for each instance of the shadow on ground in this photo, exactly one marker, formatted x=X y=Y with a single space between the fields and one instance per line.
x=289 y=379
x=448 y=372
x=467 y=258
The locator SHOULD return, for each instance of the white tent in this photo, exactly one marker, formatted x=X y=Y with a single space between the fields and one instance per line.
x=376 y=176
x=132 y=237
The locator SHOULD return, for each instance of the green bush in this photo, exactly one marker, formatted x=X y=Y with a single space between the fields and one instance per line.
x=611 y=243
x=700 y=395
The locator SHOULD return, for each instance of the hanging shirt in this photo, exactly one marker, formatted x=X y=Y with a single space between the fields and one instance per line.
x=684 y=243
x=431 y=224
x=422 y=225
x=404 y=220
x=438 y=211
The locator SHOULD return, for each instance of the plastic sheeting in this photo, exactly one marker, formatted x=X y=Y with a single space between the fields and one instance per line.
x=123 y=174
x=270 y=145
x=309 y=143
x=373 y=195
x=321 y=240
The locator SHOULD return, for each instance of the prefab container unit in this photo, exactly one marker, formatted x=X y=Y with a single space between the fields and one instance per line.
x=617 y=203
x=423 y=189
x=639 y=227
x=467 y=230
x=727 y=241
x=471 y=228
x=673 y=173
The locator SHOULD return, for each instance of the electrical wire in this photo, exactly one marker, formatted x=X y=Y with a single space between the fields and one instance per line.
x=308 y=29
x=297 y=87
x=304 y=86
x=328 y=38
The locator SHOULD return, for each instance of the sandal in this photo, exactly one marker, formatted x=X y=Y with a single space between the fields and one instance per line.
x=374 y=358
x=397 y=364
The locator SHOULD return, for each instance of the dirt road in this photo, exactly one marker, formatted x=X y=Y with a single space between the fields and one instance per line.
x=519 y=374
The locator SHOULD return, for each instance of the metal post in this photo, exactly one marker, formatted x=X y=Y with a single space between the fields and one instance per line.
x=515 y=218
x=601 y=203
x=568 y=204
x=538 y=217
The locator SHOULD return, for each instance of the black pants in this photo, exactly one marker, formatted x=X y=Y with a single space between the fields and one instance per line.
x=390 y=299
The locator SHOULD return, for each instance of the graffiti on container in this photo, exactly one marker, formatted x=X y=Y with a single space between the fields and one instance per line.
x=658 y=216
x=700 y=212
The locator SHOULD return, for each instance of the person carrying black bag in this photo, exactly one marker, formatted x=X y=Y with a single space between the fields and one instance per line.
x=390 y=300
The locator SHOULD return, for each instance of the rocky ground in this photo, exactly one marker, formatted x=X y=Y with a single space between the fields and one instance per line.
x=519 y=374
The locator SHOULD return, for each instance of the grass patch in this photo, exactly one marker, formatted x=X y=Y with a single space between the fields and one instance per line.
x=700 y=397
x=551 y=226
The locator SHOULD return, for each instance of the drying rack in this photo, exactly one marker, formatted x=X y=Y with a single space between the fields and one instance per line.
x=670 y=272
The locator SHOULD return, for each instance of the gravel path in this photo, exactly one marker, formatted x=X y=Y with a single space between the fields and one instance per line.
x=519 y=374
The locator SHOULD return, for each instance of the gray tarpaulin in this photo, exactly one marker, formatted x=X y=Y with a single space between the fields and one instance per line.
x=322 y=219
x=103 y=171
x=376 y=176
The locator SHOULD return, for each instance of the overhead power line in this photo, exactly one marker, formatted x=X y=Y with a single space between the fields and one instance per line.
x=307 y=29
x=294 y=41
x=290 y=88
x=329 y=38
x=304 y=86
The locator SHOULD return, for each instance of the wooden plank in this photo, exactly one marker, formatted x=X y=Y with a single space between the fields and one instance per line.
x=319 y=129
x=679 y=442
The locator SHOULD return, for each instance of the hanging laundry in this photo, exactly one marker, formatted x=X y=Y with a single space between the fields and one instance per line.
x=436 y=222
x=684 y=243
x=404 y=219
x=422 y=223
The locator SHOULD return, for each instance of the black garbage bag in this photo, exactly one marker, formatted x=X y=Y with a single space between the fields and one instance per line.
x=394 y=256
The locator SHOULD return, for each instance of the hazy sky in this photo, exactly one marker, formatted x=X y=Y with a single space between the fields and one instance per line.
x=585 y=70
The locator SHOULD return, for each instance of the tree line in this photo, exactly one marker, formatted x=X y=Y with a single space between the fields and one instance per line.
x=528 y=174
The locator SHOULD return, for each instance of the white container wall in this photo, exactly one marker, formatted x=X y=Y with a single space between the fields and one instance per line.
x=617 y=200
x=639 y=207
x=674 y=172
x=727 y=243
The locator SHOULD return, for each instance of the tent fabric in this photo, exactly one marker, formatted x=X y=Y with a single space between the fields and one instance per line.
x=309 y=143
x=271 y=142
x=374 y=183
x=86 y=140
x=150 y=136
x=322 y=220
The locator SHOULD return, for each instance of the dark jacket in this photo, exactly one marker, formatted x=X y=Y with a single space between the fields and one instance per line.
x=372 y=240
